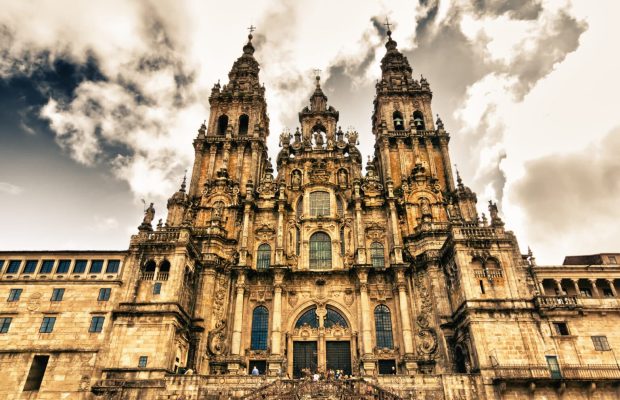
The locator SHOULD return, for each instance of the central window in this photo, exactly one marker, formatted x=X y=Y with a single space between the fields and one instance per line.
x=320 y=251
x=319 y=204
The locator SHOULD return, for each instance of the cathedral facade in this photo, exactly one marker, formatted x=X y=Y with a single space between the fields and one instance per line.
x=387 y=275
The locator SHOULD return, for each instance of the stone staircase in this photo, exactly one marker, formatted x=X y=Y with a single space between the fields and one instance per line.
x=299 y=389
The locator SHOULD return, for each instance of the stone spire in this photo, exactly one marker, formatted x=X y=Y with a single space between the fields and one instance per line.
x=318 y=101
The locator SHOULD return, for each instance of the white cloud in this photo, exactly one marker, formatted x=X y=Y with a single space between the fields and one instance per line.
x=10 y=188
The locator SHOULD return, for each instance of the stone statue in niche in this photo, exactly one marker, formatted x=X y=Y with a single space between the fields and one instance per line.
x=296 y=179
x=342 y=177
x=425 y=207
x=218 y=209
x=318 y=138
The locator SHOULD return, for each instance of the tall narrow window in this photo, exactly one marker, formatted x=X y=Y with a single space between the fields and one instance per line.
x=263 y=257
x=14 y=295
x=260 y=327
x=222 y=124
x=79 y=267
x=112 y=267
x=399 y=122
x=104 y=294
x=164 y=271
x=63 y=266
x=1 y=265
x=57 y=294
x=377 y=255
x=418 y=120
x=46 y=267
x=142 y=361
x=95 y=266
x=298 y=242
x=244 y=122
x=13 y=267
x=96 y=324
x=319 y=204
x=320 y=251
x=31 y=267
x=157 y=288
x=342 y=244
x=5 y=324
x=339 y=207
x=36 y=373
x=383 y=327
x=47 y=325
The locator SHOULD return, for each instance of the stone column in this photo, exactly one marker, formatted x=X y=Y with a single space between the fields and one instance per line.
x=279 y=254
x=254 y=163
x=428 y=144
x=212 y=156
x=403 y=162
x=198 y=159
x=235 y=347
x=576 y=284
x=368 y=358
x=398 y=246
x=360 y=245
x=385 y=155
x=405 y=318
x=595 y=292
x=610 y=282
x=240 y=150
x=275 y=360
x=558 y=287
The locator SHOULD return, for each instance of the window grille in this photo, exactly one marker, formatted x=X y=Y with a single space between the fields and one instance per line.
x=157 y=288
x=260 y=327
x=320 y=251
x=142 y=361
x=263 y=257
x=377 y=255
x=319 y=204
x=600 y=343
x=383 y=327
x=334 y=318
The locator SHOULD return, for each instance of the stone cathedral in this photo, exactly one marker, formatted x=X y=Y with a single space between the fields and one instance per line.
x=384 y=280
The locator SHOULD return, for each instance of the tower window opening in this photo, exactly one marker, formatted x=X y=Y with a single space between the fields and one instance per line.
x=222 y=124
x=260 y=328
x=36 y=373
x=481 y=287
x=399 y=122
x=244 y=123
x=418 y=121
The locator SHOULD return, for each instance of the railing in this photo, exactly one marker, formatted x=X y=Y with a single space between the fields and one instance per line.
x=163 y=236
x=566 y=371
x=346 y=389
x=557 y=301
x=476 y=232
x=162 y=276
x=147 y=276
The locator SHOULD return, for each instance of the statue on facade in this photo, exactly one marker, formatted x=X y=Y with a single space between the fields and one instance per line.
x=342 y=177
x=218 y=209
x=149 y=215
x=296 y=179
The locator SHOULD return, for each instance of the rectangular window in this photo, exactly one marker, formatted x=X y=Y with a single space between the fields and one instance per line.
x=95 y=266
x=142 y=361
x=104 y=294
x=1 y=265
x=561 y=328
x=13 y=267
x=157 y=288
x=554 y=367
x=57 y=294
x=319 y=204
x=96 y=324
x=5 y=324
x=47 y=266
x=63 y=266
x=14 y=295
x=47 y=325
x=600 y=343
x=31 y=267
x=79 y=267
x=36 y=373
x=112 y=267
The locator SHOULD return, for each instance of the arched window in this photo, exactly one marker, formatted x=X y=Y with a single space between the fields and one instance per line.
x=263 y=257
x=308 y=318
x=383 y=327
x=333 y=317
x=149 y=266
x=377 y=255
x=320 y=251
x=244 y=122
x=148 y=271
x=299 y=208
x=418 y=120
x=164 y=270
x=319 y=204
x=260 y=328
x=222 y=124
x=399 y=122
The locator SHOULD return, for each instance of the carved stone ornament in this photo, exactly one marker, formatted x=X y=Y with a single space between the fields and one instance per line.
x=305 y=331
x=349 y=297
x=292 y=298
x=319 y=172
x=216 y=341
x=427 y=337
x=375 y=231
x=265 y=233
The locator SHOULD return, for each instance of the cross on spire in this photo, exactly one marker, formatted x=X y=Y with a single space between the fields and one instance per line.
x=388 y=26
x=317 y=73
x=252 y=28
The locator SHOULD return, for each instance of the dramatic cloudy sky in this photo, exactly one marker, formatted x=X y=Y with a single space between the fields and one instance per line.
x=99 y=103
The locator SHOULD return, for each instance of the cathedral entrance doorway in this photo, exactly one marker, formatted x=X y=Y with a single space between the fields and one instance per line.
x=304 y=358
x=321 y=340
x=339 y=356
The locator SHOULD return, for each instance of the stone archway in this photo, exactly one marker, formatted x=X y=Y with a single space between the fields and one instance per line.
x=321 y=339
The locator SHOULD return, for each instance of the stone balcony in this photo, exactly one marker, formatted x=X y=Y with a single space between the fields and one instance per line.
x=572 y=372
